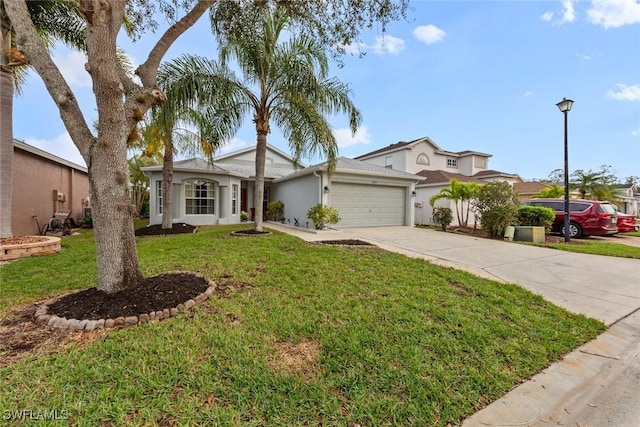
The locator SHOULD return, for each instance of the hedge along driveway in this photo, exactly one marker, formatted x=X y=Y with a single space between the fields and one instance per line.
x=320 y=335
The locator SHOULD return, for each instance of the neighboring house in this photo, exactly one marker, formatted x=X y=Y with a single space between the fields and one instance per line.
x=205 y=193
x=43 y=184
x=528 y=189
x=629 y=195
x=437 y=167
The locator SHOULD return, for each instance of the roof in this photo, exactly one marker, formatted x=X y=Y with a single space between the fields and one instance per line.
x=407 y=145
x=530 y=187
x=432 y=177
x=41 y=153
x=353 y=166
x=223 y=168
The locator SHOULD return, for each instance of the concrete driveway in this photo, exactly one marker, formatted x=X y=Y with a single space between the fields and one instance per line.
x=595 y=385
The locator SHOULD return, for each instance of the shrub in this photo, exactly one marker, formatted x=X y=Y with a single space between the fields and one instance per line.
x=442 y=216
x=323 y=215
x=536 y=216
x=244 y=216
x=497 y=203
x=275 y=209
x=87 y=221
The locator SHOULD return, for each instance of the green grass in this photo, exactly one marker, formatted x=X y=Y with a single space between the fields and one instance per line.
x=597 y=248
x=398 y=341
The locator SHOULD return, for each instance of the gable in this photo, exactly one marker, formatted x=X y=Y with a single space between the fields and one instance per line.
x=273 y=157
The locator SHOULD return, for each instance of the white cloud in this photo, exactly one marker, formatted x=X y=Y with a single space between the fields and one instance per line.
x=71 y=65
x=635 y=132
x=625 y=93
x=354 y=48
x=568 y=14
x=429 y=34
x=61 y=146
x=528 y=93
x=388 y=44
x=614 y=13
x=232 y=145
x=547 y=16
x=345 y=139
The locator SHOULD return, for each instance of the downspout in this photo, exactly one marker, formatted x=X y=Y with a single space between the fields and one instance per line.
x=315 y=173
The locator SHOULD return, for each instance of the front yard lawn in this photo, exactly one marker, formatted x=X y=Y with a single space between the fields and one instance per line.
x=315 y=335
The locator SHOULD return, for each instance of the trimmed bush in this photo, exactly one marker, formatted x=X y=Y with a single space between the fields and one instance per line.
x=539 y=216
x=442 y=216
x=497 y=203
x=323 y=215
x=275 y=209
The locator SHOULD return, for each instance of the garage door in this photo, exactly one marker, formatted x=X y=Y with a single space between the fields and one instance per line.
x=361 y=205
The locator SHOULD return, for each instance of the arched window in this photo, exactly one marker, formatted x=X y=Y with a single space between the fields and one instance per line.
x=200 y=197
x=422 y=159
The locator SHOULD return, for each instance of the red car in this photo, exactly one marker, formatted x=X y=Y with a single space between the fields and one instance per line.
x=627 y=223
x=587 y=217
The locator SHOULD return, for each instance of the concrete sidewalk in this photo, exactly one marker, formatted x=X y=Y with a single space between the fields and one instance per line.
x=597 y=384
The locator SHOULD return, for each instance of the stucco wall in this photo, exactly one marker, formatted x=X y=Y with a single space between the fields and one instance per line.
x=35 y=179
x=298 y=195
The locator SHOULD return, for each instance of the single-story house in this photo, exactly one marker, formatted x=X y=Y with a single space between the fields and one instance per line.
x=216 y=193
x=43 y=184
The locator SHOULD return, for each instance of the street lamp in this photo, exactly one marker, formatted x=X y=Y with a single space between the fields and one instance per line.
x=565 y=106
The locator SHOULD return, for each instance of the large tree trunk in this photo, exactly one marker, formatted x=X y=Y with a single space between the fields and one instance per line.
x=6 y=147
x=167 y=186
x=261 y=152
x=121 y=103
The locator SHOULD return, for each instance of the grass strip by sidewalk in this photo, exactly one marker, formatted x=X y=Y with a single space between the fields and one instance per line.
x=322 y=336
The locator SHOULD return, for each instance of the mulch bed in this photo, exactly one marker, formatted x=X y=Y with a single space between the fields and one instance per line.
x=157 y=230
x=153 y=294
x=21 y=240
x=249 y=233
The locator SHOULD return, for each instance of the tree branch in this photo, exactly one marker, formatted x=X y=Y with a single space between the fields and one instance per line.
x=148 y=70
x=39 y=58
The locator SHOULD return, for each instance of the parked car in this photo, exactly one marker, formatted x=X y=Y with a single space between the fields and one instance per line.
x=627 y=223
x=587 y=217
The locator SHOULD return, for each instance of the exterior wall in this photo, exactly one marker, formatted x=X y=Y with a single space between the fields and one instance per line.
x=35 y=181
x=223 y=187
x=398 y=160
x=298 y=195
x=249 y=157
x=424 y=212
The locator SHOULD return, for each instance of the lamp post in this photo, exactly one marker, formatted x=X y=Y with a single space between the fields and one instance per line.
x=565 y=107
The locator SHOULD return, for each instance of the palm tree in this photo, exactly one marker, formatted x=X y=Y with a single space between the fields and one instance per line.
x=54 y=20
x=161 y=137
x=460 y=193
x=283 y=81
x=554 y=191
x=589 y=184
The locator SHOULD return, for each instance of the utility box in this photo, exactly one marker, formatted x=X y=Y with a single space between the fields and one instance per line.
x=526 y=233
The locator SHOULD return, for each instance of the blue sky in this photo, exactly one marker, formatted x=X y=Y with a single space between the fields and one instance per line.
x=471 y=75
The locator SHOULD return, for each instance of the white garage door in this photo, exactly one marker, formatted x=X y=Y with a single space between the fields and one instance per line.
x=361 y=205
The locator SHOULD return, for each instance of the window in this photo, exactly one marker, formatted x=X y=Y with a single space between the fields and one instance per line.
x=481 y=163
x=200 y=197
x=234 y=199
x=388 y=162
x=159 y=197
x=452 y=163
x=422 y=159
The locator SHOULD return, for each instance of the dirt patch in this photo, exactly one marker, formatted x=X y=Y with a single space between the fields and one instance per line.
x=300 y=358
x=157 y=230
x=20 y=336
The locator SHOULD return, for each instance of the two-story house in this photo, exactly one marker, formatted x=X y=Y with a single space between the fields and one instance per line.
x=437 y=167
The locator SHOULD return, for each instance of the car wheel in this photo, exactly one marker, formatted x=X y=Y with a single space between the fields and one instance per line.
x=574 y=230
